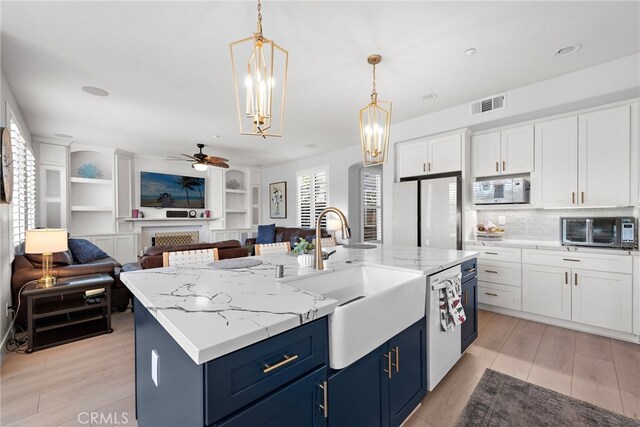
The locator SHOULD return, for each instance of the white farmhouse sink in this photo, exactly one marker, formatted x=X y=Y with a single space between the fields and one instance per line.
x=392 y=301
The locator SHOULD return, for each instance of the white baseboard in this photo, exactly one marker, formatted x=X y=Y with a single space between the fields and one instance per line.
x=562 y=323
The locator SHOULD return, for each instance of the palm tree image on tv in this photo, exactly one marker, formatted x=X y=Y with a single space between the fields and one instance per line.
x=161 y=190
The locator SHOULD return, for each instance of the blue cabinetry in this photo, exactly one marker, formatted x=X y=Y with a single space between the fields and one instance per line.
x=469 y=303
x=280 y=381
x=382 y=388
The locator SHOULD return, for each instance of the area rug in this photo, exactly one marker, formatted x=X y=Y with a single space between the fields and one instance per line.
x=501 y=400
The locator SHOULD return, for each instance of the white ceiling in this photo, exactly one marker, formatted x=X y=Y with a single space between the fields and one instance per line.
x=167 y=66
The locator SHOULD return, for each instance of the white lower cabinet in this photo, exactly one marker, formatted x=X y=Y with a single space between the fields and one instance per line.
x=500 y=295
x=602 y=299
x=546 y=291
x=105 y=243
x=589 y=295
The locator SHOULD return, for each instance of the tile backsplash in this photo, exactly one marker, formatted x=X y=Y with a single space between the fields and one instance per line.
x=543 y=224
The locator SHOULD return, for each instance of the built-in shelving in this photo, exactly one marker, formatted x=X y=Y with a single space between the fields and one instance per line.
x=91 y=208
x=78 y=180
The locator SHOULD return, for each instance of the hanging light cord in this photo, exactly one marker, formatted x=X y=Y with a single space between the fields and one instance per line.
x=374 y=94
x=259 y=17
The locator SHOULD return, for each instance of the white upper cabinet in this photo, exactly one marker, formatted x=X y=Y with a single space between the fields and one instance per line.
x=556 y=163
x=444 y=154
x=584 y=160
x=431 y=155
x=507 y=152
x=604 y=155
x=412 y=158
x=516 y=148
x=485 y=151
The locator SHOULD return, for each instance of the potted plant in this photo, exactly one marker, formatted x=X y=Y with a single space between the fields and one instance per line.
x=303 y=250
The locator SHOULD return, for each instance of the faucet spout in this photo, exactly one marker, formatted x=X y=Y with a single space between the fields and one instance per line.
x=346 y=233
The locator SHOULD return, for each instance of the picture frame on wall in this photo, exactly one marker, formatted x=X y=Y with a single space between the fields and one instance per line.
x=278 y=200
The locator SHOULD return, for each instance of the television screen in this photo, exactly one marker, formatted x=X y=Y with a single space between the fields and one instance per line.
x=161 y=190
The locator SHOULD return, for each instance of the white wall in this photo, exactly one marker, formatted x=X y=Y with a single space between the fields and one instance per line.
x=7 y=101
x=612 y=81
x=338 y=163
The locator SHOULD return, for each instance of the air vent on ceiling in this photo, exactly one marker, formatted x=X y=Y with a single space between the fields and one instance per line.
x=496 y=102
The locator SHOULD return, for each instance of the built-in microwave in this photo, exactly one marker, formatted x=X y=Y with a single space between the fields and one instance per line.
x=609 y=232
x=501 y=191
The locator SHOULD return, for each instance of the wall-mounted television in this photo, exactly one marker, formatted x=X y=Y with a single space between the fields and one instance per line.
x=161 y=190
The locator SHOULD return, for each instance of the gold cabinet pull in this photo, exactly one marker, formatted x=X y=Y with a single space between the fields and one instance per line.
x=429 y=167
x=582 y=197
x=491 y=271
x=490 y=294
x=388 y=370
x=504 y=165
x=575 y=283
x=566 y=278
x=465 y=298
x=396 y=350
x=424 y=167
x=325 y=399
x=287 y=359
x=573 y=198
x=497 y=168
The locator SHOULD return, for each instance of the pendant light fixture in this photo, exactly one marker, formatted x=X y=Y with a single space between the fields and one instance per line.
x=375 y=121
x=260 y=78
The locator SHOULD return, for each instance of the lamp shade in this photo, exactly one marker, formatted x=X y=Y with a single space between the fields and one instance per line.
x=46 y=240
x=334 y=224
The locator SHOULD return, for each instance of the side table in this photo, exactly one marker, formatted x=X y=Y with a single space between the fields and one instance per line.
x=54 y=321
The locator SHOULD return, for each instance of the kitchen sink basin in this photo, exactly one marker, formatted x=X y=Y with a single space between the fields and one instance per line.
x=376 y=303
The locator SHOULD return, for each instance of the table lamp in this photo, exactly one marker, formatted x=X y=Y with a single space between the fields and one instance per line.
x=46 y=241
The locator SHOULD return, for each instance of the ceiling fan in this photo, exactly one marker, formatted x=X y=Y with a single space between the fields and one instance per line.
x=200 y=161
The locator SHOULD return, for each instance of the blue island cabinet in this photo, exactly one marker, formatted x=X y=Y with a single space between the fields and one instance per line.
x=469 y=297
x=280 y=381
x=383 y=387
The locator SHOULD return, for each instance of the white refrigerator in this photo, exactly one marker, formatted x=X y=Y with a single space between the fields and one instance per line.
x=428 y=213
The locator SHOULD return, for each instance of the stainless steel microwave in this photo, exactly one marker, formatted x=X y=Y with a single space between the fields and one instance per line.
x=501 y=191
x=609 y=232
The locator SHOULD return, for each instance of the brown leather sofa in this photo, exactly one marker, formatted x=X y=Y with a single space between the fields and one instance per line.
x=292 y=235
x=29 y=267
x=152 y=258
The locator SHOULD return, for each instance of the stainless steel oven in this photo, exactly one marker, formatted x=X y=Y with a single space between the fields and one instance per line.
x=609 y=232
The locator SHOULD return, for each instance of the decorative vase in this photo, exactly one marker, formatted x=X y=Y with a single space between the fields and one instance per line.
x=305 y=260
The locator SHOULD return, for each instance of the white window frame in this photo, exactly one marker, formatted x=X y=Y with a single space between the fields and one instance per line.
x=311 y=173
x=364 y=206
x=29 y=202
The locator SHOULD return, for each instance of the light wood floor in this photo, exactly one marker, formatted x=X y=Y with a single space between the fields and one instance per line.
x=52 y=387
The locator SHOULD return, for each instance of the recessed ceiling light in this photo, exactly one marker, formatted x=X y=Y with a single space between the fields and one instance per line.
x=92 y=90
x=258 y=166
x=470 y=51
x=310 y=145
x=568 y=50
x=216 y=136
x=63 y=135
x=430 y=96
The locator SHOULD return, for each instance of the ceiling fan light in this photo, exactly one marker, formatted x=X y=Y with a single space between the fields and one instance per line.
x=199 y=166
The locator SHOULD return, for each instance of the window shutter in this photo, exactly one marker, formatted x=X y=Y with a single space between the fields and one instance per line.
x=24 y=187
x=372 y=206
x=313 y=197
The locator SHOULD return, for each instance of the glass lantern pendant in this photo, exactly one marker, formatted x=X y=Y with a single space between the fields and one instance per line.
x=260 y=81
x=375 y=122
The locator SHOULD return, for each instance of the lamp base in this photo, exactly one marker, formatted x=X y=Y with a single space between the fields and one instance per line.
x=46 y=281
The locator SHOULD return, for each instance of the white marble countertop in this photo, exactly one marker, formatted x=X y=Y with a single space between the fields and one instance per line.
x=211 y=313
x=548 y=245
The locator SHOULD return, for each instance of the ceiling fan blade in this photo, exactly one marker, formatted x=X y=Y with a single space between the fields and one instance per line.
x=216 y=159
x=191 y=157
x=218 y=164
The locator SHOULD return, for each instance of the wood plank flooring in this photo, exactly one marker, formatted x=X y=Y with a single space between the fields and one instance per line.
x=53 y=387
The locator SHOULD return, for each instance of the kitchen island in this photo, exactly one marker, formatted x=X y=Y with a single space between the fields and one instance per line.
x=201 y=332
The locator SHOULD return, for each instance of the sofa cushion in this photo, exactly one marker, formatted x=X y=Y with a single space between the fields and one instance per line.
x=266 y=234
x=84 y=251
x=59 y=259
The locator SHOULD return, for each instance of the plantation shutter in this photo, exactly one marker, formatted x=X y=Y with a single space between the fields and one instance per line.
x=312 y=197
x=24 y=187
x=371 y=206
